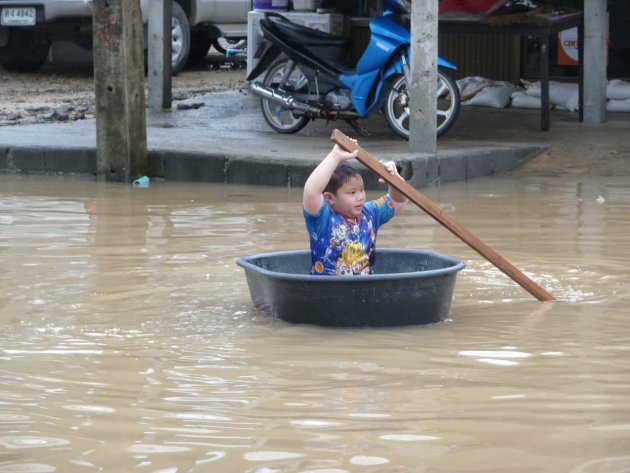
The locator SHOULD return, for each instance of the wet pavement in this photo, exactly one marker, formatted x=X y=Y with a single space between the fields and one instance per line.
x=222 y=137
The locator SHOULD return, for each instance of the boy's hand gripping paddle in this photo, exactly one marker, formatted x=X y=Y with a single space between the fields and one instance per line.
x=443 y=218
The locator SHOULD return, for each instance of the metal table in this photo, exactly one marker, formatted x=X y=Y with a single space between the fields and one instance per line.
x=541 y=25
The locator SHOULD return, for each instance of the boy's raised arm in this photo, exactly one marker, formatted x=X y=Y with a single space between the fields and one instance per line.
x=398 y=199
x=313 y=197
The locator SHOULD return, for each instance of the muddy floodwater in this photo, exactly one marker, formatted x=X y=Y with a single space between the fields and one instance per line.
x=129 y=342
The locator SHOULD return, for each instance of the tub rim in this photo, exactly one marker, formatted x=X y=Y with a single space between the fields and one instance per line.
x=455 y=266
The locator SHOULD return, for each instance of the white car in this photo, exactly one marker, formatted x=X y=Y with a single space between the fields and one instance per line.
x=28 y=27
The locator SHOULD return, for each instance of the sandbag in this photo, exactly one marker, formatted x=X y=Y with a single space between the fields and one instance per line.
x=470 y=86
x=617 y=89
x=497 y=95
x=522 y=100
x=618 y=105
x=563 y=94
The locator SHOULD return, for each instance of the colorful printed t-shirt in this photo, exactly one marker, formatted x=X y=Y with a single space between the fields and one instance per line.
x=341 y=247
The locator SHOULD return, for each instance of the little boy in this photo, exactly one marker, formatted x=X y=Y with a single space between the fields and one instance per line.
x=341 y=225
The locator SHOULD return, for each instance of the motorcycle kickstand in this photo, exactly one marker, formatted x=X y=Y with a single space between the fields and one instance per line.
x=361 y=130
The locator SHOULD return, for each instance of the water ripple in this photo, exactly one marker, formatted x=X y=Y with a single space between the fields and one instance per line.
x=271 y=456
x=27 y=468
x=124 y=312
x=23 y=441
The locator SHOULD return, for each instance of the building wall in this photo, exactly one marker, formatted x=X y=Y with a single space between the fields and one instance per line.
x=496 y=57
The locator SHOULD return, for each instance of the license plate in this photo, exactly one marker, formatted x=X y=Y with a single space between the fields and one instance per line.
x=18 y=16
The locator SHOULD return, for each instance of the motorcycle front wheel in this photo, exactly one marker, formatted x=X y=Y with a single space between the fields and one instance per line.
x=397 y=101
x=281 y=119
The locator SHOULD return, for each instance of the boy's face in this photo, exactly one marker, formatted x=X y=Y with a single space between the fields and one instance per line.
x=349 y=199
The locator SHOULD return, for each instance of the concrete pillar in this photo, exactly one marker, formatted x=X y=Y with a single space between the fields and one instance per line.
x=121 y=140
x=159 y=56
x=595 y=59
x=423 y=114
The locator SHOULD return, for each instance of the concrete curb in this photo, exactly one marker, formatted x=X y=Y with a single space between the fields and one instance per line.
x=196 y=166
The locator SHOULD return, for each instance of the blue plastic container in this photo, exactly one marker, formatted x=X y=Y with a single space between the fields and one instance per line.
x=408 y=287
x=271 y=5
x=142 y=182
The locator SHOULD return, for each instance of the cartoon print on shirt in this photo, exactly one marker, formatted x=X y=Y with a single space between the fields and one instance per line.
x=353 y=260
x=339 y=234
x=342 y=246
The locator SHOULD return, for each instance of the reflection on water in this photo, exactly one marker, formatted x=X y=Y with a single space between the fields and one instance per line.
x=129 y=341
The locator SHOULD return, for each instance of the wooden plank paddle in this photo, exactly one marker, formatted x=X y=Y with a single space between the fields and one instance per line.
x=442 y=217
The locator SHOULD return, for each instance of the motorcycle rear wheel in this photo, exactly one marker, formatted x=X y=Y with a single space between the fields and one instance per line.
x=396 y=105
x=281 y=119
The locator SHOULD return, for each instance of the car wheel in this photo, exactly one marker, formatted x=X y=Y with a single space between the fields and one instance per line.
x=25 y=51
x=180 y=39
x=223 y=44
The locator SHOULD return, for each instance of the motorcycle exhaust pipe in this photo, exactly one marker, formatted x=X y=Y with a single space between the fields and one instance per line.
x=281 y=98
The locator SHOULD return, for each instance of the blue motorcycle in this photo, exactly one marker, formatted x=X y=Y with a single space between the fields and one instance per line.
x=306 y=75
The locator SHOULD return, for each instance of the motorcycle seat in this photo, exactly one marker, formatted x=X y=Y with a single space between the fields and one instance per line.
x=311 y=37
x=320 y=46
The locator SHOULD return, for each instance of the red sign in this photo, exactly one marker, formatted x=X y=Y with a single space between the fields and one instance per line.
x=568 y=47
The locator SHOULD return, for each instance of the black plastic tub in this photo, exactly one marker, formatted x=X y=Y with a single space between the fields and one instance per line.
x=408 y=287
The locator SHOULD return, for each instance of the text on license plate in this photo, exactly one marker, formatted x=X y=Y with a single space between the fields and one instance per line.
x=17 y=16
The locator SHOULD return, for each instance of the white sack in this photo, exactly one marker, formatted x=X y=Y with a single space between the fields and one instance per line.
x=618 y=89
x=470 y=86
x=563 y=94
x=618 y=105
x=495 y=96
x=522 y=100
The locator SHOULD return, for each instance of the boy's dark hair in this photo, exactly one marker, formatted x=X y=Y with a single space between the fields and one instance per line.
x=342 y=174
